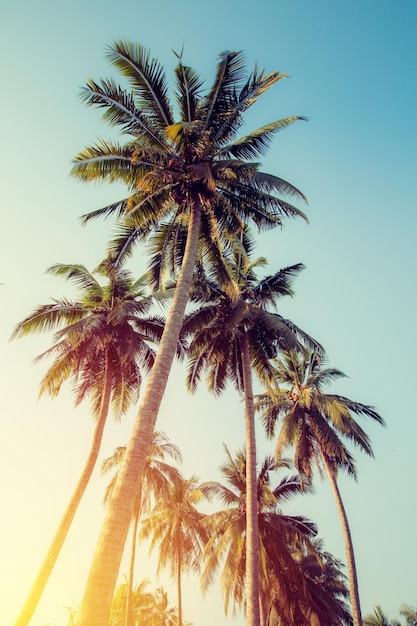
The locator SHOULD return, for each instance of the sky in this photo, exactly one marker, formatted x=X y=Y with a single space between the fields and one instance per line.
x=352 y=74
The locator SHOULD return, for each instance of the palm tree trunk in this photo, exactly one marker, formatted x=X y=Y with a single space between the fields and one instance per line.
x=179 y=590
x=129 y=590
x=262 y=612
x=54 y=550
x=252 y=530
x=96 y=604
x=347 y=537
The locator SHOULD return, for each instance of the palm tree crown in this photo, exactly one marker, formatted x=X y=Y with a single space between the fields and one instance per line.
x=231 y=302
x=310 y=418
x=175 y=525
x=173 y=162
x=290 y=590
x=105 y=330
x=155 y=485
x=410 y=614
x=378 y=618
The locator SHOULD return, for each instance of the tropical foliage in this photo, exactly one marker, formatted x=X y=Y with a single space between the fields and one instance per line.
x=103 y=341
x=175 y=526
x=235 y=330
x=148 y=607
x=155 y=485
x=288 y=582
x=316 y=424
x=378 y=618
x=192 y=185
x=410 y=614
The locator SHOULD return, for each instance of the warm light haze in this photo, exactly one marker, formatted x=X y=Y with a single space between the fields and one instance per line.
x=352 y=70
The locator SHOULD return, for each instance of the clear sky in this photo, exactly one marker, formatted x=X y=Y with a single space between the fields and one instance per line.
x=353 y=74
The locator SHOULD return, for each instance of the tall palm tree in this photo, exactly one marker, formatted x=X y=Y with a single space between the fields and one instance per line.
x=101 y=346
x=315 y=423
x=378 y=618
x=155 y=481
x=300 y=583
x=236 y=331
x=190 y=177
x=175 y=526
x=277 y=534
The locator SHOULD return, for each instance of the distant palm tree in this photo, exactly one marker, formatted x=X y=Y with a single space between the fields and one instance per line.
x=175 y=526
x=162 y=613
x=378 y=618
x=277 y=535
x=155 y=482
x=194 y=182
x=410 y=614
x=142 y=605
x=315 y=424
x=101 y=346
x=323 y=592
x=235 y=330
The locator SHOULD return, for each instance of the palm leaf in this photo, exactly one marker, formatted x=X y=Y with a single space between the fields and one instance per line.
x=147 y=78
x=257 y=143
x=121 y=110
x=188 y=84
x=230 y=71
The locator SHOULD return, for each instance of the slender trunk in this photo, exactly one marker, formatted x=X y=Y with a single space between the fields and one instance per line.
x=96 y=604
x=54 y=550
x=252 y=530
x=179 y=590
x=262 y=612
x=347 y=537
x=129 y=590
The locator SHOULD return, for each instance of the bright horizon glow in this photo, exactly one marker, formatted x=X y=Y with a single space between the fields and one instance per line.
x=352 y=73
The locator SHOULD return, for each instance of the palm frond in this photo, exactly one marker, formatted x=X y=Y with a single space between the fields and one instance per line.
x=48 y=317
x=121 y=110
x=147 y=78
x=257 y=143
x=188 y=84
x=79 y=275
x=230 y=72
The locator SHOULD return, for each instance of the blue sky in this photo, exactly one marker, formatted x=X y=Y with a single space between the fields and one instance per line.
x=352 y=67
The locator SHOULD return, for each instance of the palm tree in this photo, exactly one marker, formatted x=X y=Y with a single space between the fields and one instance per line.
x=155 y=482
x=315 y=424
x=175 y=526
x=410 y=614
x=101 y=346
x=324 y=585
x=378 y=618
x=190 y=179
x=162 y=613
x=234 y=332
x=142 y=604
x=277 y=535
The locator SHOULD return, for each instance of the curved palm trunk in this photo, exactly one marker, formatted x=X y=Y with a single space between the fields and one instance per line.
x=96 y=604
x=347 y=537
x=129 y=590
x=252 y=531
x=42 y=577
